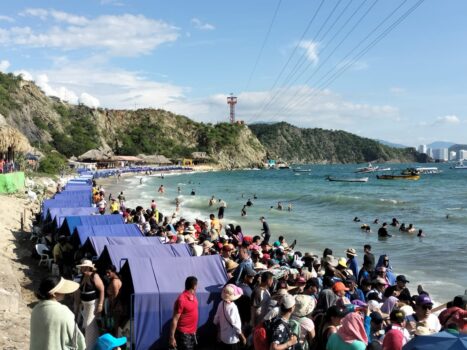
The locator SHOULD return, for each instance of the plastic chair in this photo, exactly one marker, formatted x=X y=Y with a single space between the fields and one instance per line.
x=41 y=249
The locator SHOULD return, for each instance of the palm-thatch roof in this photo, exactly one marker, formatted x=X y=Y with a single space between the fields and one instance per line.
x=96 y=154
x=155 y=159
x=12 y=139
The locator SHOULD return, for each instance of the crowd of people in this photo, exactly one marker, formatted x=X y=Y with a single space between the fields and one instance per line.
x=276 y=297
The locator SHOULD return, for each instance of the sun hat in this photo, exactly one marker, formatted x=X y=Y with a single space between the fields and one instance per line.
x=86 y=263
x=304 y=305
x=288 y=301
x=351 y=251
x=424 y=299
x=231 y=265
x=342 y=262
x=338 y=287
x=231 y=292
x=331 y=260
x=421 y=330
x=260 y=266
x=207 y=244
x=109 y=342
x=189 y=240
x=64 y=287
x=401 y=278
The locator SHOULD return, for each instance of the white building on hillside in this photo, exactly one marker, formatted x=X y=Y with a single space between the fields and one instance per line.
x=452 y=155
x=422 y=149
x=462 y=154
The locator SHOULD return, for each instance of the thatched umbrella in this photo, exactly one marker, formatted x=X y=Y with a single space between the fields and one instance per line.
x=11 y=141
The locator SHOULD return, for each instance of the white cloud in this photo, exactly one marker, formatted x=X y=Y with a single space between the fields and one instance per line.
x=311 y=49
x=24 y=74
x=121 y=35
x=35 y=12
x=6 y=19
x=62 y=92
x=4 y=65
x=397 y=91
x=89 y=100
x=198 y=24
x=447 y=120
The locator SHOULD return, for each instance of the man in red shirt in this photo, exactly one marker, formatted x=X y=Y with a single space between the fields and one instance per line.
x=185 y=318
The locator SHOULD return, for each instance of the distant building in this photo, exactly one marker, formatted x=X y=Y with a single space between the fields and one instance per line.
x=441 y=154
x=429 y=152
x=452 y=155
x=462 y=154
x=422 y=149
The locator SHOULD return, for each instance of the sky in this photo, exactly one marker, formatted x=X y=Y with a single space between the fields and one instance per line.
x=392 y=70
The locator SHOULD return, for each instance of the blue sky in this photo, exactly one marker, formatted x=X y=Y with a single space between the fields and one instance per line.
x=187 y=56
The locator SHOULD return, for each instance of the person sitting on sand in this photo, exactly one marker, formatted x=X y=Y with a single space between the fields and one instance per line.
x=410 y=229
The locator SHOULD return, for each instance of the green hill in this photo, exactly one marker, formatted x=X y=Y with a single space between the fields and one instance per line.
x=296 y=145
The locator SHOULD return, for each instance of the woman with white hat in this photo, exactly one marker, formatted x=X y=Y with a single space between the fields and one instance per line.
x=53 y=325
x=301 y=323
x=228 y=320
x=91 y=299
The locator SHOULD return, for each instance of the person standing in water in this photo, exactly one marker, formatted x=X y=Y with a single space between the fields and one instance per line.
x=161 y=189
x=266 y=232
x=212 y=201
x=222 y=206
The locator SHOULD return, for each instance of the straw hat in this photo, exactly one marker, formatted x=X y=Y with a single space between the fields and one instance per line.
x=207 y=244
x=86 y=263
x=304 y=305
x=351 y=251
x=260 y=266
x=331 y=260
x=230 y=265
x=64 y=287
x=231 y=292
x=189 y=240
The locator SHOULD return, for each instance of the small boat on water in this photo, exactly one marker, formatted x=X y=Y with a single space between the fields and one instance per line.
x=459 y=166
x=383 y=169
x=398 y=177
x=428 y=170
x=282 y=165
x=410 y=171
x=297 y=170
x=358 y=179
x=368 y=169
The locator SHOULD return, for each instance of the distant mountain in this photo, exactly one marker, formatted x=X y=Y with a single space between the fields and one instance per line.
x=440 y=144
x=391 y=144
x=296 y=145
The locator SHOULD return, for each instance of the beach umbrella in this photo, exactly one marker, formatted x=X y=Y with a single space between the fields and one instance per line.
x=442 y=340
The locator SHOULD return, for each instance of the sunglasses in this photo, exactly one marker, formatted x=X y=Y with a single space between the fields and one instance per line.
x=427 y=307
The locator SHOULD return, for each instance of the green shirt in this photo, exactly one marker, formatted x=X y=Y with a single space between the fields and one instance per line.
x=53 y=326
x=336 y=343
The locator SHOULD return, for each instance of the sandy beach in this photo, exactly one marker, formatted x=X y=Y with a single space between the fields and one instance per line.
x=18 y=274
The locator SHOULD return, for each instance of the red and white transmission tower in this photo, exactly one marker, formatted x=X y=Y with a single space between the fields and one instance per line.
x=232 y=101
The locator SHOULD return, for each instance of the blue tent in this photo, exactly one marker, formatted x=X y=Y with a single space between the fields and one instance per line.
x=114 y=254
x=62 y=203
x=82 y=232
x=70 y=223
x=151 y=286
x=77 y=187
x=442 y=340
x=57 y=215
x=94 y=245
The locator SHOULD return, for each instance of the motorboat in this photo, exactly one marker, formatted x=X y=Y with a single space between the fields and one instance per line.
x=282 y=165
x=383 y=169
x=459 y=166
x=428 y=170
x=298 y=170
x=398 y=177
x=368 y=169
x=358 y=179
x=410 y=171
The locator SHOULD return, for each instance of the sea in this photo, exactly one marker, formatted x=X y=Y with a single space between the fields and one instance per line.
x=323 y=213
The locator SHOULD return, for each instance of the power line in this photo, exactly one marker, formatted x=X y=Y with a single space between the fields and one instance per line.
x=310 y=22
x=339 y=69
x=263 y=45
x=342 y=40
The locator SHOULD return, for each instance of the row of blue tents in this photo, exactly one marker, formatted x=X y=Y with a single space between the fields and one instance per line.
x=153 y=274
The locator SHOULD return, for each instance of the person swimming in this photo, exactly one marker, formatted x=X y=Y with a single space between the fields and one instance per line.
x=402 y=228
x=249 y=203
x=279 y=206
x=356 y=219
x=394 y=222
x=420 y=233
x=161 y=189
x=376 y=221
x=193 y=192
x=243 y=211
x=410 y=229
